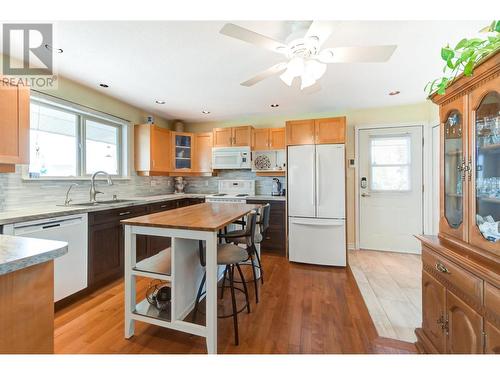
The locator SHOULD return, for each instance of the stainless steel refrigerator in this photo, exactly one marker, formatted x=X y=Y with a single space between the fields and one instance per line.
x=316 y=204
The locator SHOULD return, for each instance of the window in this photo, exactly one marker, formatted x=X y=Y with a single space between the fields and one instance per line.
x=71 y=143
x=390 y=163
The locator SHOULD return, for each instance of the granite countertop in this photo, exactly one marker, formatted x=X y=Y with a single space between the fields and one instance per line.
x=28 y=214
x=20 y=252
x=267 y=197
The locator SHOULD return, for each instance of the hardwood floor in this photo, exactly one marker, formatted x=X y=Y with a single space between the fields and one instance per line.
x=391 y=286
x=303 y=309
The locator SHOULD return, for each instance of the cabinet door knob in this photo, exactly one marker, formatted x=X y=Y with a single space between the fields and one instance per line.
x=441 y=268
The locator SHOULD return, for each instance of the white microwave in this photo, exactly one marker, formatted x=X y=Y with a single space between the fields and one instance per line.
x=231 y=158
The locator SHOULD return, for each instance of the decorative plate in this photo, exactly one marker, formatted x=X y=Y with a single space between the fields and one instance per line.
x=262 y=162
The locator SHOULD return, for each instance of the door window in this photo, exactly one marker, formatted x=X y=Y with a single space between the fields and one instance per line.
x=390 y=163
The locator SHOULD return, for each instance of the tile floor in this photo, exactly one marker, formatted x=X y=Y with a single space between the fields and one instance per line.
x=391 y=287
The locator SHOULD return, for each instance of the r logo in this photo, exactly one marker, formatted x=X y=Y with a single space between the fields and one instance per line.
x=25 y=51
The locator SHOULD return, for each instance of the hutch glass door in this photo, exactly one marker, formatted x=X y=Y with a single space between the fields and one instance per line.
x=454 y=165
x=487 y=147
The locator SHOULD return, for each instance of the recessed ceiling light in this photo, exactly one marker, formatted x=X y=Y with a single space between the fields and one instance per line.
x=205 y=112
x=50 y=48
x=103 y=85
x=275 y=105
x=392 y=93
x=160 y=102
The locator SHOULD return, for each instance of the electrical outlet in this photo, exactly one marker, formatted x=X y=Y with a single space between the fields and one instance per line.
x=206 y=182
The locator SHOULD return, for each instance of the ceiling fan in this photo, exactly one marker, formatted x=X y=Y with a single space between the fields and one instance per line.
x=303 y=51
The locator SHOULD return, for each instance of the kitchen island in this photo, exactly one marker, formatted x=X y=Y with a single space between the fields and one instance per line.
x=180 y=267
x=27 y=294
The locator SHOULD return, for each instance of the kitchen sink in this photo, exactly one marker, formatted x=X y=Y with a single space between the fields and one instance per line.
x=99 y=203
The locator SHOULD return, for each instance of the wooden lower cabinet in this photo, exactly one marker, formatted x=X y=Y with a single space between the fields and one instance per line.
x=464 y=327
x=492 y=338
x=105 y=252
x=274 y=242
x=456 y=317
x=434 y=311
x=106 y=247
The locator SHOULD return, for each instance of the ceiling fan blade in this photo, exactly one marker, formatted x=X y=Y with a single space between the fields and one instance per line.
x=321 y=30
x=356 y=54
x=238 y=32
x=275 y=69
x=311 y=89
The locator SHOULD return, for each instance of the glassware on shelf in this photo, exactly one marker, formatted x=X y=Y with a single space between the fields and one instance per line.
x=487 y=167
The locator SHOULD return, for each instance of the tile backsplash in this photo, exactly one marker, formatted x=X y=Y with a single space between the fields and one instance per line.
x=263 y=185
x=16 y=193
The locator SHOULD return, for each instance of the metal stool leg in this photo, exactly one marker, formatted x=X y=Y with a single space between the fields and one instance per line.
x=260 y=268
x=198 y=295
x=244 y=287
x=255 y=283
x=223 y=283
x=233 y=300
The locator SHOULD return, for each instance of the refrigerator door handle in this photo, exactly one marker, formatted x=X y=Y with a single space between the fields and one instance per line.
x=330 y=223
x=317 y=169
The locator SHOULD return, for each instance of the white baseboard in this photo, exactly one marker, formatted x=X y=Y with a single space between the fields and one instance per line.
x=351 y=246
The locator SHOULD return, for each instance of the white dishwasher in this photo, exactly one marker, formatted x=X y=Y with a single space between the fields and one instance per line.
x=70 y=270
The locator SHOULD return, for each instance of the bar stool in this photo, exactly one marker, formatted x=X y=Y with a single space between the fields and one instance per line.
x=246 y=236
x=228 y=255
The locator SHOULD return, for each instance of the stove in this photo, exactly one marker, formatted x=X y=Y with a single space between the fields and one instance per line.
x=232 y=191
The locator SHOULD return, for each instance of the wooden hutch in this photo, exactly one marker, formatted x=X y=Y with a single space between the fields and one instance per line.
x=461 y=266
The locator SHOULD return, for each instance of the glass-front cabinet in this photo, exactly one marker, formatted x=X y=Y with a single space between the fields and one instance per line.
x=484 y=227
x=453 y=183
x=182 y=151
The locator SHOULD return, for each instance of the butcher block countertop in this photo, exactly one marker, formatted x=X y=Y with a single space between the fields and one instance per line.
x=204 y=216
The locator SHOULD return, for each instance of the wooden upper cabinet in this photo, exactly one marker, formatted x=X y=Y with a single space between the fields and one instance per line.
x=277 y=138
x=242 y=136
x=160 y=149
x=152 y=150
x=434 y=311
x=268 y=139
x=317 y=131
x=465 y=334
x=202 y=158
x=14 y=126
x=222 y=137
x=330 y=130
x=228 y=137
x=300 y=132
x=260 y=139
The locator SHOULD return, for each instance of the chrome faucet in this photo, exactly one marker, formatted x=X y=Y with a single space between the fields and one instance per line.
x=93 y=191
x=68 y=200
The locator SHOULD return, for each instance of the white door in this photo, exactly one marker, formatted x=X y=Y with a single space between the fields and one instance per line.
x=317 y=241
x=301 y=189
x=390 y=189
x=330 y=181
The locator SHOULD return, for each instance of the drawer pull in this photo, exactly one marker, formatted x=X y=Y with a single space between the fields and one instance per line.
x=124 y=213
x=163 y=206
x=442 y=268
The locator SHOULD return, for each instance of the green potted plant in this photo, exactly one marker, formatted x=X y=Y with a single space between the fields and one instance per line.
x=464 y=57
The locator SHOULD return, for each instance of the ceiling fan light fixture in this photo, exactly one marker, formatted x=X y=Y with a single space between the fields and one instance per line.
x=287 y=77
x=315 y=68
x=307 y=79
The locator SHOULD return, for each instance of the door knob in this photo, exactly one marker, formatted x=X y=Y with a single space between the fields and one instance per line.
x=365 y=195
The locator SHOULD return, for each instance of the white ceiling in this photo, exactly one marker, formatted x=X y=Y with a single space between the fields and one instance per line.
x=193 y=67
